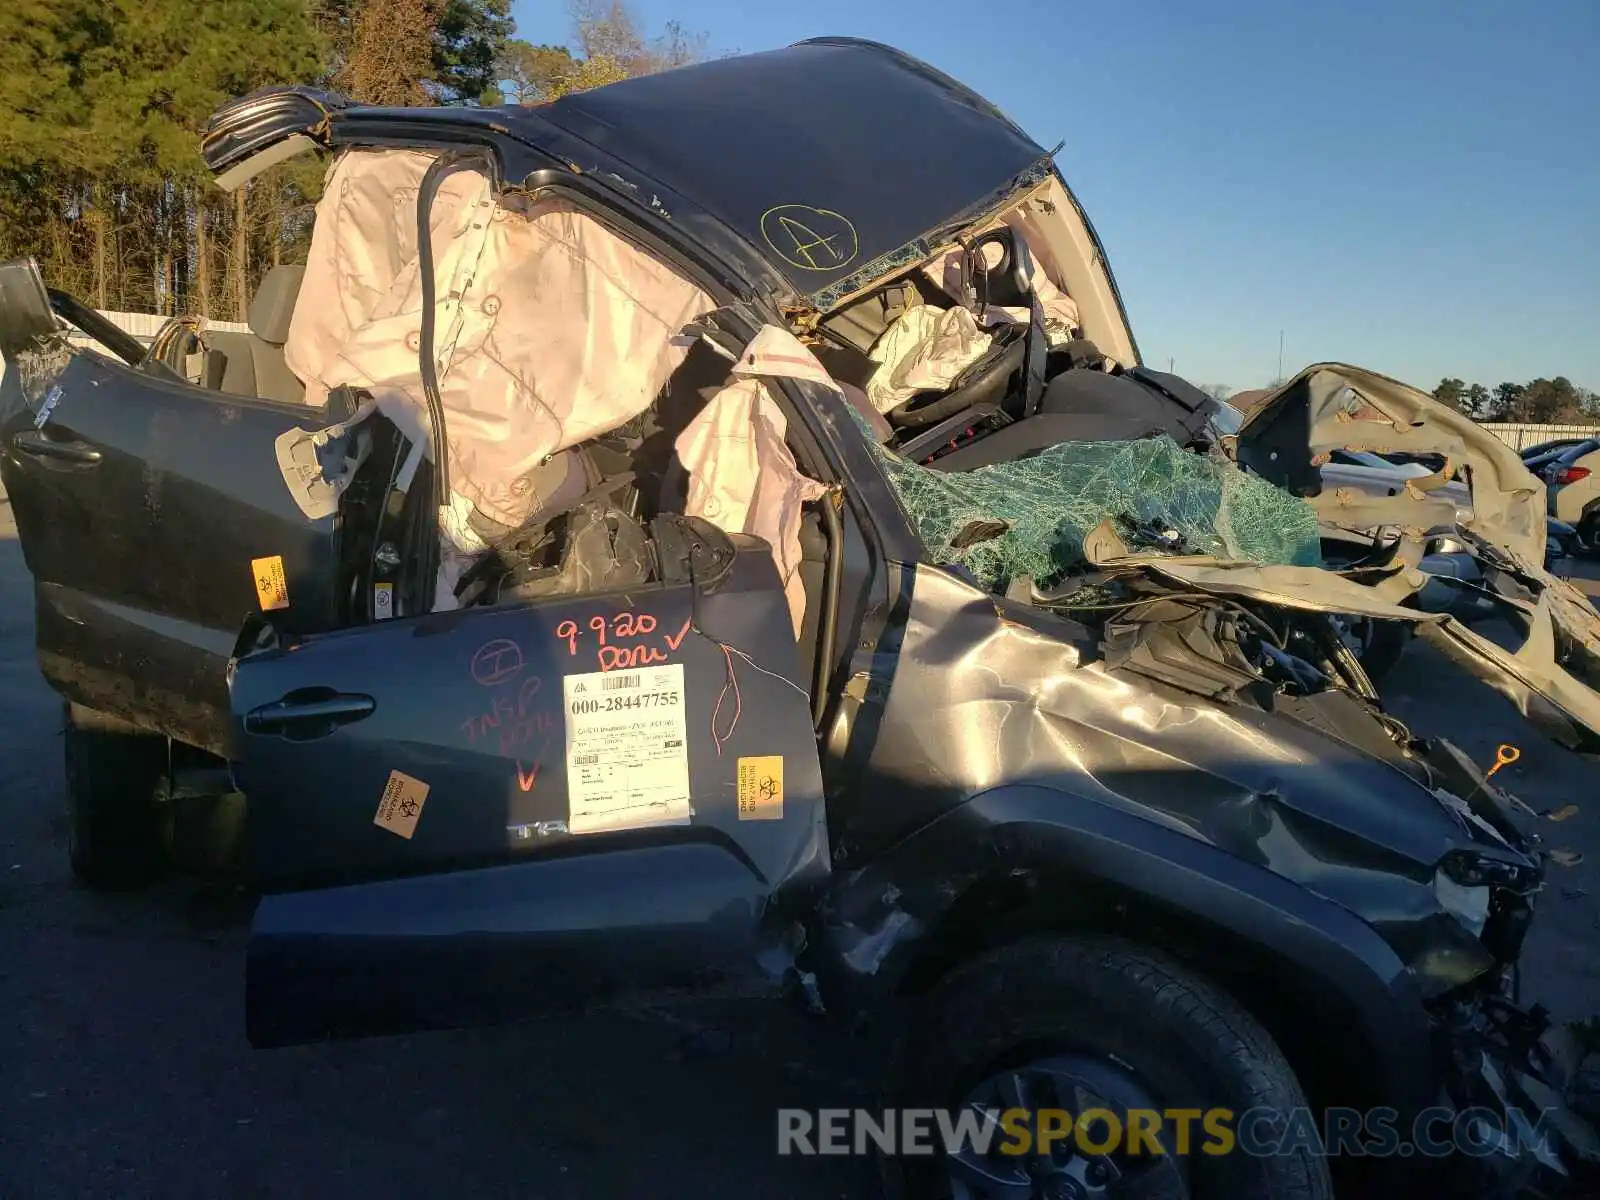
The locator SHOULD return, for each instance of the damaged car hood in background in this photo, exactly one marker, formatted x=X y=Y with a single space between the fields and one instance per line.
x=1329 y=406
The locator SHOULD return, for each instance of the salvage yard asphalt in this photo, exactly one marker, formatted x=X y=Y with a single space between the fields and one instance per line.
x=124 y=1071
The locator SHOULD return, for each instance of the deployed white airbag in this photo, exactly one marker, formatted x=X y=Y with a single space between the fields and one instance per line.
x=549 y=328
x=923 y=351
x=1058 y=310
x=742 y=477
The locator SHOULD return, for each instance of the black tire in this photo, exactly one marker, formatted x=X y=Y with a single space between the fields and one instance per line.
x=1106 y=1002
x=116 y=838
x=1589 y=535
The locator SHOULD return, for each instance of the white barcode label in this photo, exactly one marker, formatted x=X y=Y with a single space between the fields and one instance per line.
x=627 y=749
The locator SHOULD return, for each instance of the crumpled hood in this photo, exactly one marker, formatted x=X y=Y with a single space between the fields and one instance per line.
x=1550 y=676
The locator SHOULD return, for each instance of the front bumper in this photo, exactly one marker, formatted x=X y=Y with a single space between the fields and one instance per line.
x=1508 y=1075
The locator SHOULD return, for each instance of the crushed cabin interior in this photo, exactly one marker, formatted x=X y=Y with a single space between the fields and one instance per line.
x=663 y=433
x=1002 y=387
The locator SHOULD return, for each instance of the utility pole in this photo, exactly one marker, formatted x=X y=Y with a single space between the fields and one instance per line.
x=1280 y=355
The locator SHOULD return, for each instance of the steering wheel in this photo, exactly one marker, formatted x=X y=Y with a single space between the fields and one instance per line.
x=984 y=382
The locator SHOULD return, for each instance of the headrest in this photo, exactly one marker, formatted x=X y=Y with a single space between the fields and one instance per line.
x=274 y=304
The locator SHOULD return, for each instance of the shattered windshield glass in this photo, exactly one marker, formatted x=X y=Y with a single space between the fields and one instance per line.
x=1030 y=517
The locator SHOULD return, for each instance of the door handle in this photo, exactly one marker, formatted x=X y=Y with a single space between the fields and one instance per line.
x=317 y=712
x=32 y=442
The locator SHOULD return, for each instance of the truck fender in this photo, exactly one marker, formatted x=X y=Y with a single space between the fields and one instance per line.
x=884 y=922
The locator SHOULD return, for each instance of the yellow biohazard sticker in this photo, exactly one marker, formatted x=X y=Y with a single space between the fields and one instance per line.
x=401 y=806
x=272 y=588
x=760 y=788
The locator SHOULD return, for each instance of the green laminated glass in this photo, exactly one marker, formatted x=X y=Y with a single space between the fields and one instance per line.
x=1030 y=517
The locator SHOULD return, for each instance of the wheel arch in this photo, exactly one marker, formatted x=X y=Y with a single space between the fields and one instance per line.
x=1317 y=1029
x=1022 y=861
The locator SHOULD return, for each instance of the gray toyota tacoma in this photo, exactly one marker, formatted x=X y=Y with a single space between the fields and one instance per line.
x=714 y=536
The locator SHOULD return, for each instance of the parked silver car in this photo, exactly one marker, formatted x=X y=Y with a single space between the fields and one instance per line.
x=1571 y=474
x=1455 y=583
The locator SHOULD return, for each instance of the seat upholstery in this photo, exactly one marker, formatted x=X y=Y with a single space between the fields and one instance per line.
x=273 y=305
x=253 y=362
x=1091 y=406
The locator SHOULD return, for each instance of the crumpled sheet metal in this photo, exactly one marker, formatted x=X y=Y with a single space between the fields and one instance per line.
x=1024 y=697
x=1530 y=677
x=1351 y=408
x=1357 y=510
x=1333 y=405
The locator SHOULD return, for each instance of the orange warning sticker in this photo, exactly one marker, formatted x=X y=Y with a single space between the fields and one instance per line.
x=272 y=588
x=401 y=806
x=760 y=788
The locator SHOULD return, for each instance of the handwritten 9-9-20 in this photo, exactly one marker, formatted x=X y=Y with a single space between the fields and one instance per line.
x=626 y=627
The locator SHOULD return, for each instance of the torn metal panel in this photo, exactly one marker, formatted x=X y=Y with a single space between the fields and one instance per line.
x=1537 y=678
x=1332 y=406
x=1352 y=509
x=242 y=138
x=1550 y=676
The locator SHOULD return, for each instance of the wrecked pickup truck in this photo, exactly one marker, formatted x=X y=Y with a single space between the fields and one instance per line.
x=678 y=543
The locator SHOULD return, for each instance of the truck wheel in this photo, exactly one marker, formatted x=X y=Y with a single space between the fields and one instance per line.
x=1072 y=1026
x=114 y=819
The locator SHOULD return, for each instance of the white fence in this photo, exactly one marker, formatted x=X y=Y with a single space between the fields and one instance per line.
x=143 y=327
x=1520 y=436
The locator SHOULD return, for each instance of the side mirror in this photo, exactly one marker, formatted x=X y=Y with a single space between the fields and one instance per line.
x=25 y=312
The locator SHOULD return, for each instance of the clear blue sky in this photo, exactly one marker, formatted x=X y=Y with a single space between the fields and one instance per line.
x=1407 y=185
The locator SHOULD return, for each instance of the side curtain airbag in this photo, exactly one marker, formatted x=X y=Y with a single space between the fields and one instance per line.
x=742 y=476
x=551 y=329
